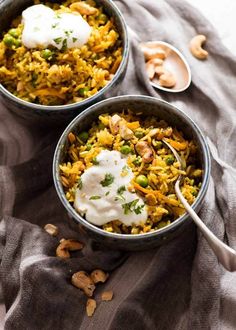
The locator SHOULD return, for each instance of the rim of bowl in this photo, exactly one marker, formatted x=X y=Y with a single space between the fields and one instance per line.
x=185 y=63
x=100 y=231
x=87 y=101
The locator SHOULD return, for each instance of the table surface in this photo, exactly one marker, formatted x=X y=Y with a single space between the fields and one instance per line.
x=222 y=16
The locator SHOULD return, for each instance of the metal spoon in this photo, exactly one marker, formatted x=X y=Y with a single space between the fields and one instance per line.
x=225 y=254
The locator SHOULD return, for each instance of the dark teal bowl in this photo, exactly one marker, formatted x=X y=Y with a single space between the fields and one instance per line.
x=62 y=114
x=152 y=107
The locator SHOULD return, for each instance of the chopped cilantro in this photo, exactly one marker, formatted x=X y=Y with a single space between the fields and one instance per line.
x=94 y=197
x=95 y=161
x=74 y=39
x=108 y=180
x=131 y=207
x=80 y=184
x=54 y=25
x=107 y=193
x=64 y=45
x=58 y=40
x=120 y=192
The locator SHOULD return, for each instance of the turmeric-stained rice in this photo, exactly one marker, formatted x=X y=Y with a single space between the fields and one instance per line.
x=154 y=177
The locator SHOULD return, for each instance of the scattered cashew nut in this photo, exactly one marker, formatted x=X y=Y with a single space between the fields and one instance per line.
x=51 y=229
x=196 y=47
x=91 y=306
x=144 y=150
x=98 y=275
x=84 y=282
x=67 y=245
x=167 y=79
x=83 y=8
x=107 y=295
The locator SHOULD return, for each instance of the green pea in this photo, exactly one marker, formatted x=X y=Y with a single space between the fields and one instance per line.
x=47 y=54
x=17 y=43
x=157 y=144
x=103 y=18
x=83 y=136
x=137 y=161
x=170 y=160
x=88 y=146
x=14 y=33
x=125 y=150
x=83 y=91
x=138 y=134
x=142 y=180
x=8 y=40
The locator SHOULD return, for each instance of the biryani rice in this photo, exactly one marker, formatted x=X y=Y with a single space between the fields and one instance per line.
x=162 y=203
x=69 y=76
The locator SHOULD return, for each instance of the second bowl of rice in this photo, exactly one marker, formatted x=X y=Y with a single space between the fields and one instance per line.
x=115 y=176
x=54 y=81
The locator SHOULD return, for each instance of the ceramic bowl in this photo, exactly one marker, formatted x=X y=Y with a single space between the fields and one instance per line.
x=154 y=107
x=62 y=114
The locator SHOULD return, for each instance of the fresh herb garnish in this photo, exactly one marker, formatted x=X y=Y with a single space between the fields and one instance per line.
x=94 y=197
x=64 y=45
x=54 y=25
x=125 y=168
x=95 y=161
x=80 y=184
x=109 y=179
x=107 y=193
x=120 y=192
x=74 y=39
x=131 y=207
x=58 y=40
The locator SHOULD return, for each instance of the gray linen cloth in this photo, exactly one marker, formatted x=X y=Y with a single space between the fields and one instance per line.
x=177 y=286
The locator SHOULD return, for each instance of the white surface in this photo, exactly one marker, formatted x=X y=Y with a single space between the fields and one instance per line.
x=222 y=14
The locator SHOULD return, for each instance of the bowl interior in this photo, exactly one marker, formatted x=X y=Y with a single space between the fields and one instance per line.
x=149 y=107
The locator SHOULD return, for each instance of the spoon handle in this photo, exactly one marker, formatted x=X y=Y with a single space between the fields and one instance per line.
x=225 y=254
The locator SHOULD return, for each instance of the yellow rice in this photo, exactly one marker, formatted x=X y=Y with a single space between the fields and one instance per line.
x=162 y=203
x=71 y=75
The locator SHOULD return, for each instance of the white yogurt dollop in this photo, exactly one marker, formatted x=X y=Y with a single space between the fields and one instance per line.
x=103 y=195
x=43 y=28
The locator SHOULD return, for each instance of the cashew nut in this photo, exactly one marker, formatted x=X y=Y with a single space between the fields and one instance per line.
x=114 y=123
x=51 y=229
x=151 y=199
x=91 y=306
x=151 y=53
x=150 y=68
x=167 y=79
x=98 y=275
x=84 y=282
x=144 y=150
x=159 y=70
x=125 y=132
x=67 y=245
x=152 y=65
x=107 y=295
x=83 y=8
x=196 y=47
